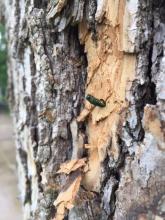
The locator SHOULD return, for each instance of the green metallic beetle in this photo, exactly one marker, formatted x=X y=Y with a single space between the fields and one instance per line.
x=94 y=101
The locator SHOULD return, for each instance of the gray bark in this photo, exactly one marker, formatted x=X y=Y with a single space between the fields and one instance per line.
x=50 y=70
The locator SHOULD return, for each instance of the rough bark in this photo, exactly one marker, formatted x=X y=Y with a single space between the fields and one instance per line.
x=114 y=50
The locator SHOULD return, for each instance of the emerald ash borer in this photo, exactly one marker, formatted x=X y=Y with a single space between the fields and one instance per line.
x=94 y=101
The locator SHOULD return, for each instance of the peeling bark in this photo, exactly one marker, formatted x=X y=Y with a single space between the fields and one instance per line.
x=111 y=158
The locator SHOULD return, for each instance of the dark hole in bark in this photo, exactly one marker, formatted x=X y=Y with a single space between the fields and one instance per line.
x=40 y=3
x=28 y=191
x=54 y=36
x=39 y=171
x=66 y=217
x=52 y=212
x=23 y=157
x=34 y=135
x=32 y=61
x=146 y=95
x=54 y=93
x=24 y=82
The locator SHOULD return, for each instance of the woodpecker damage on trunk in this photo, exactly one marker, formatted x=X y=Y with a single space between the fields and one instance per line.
x=99 y=157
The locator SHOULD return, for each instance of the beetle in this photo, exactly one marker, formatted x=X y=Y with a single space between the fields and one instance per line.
x=94 y=101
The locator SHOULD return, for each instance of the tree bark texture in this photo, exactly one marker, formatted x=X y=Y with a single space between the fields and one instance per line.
x=79 y=161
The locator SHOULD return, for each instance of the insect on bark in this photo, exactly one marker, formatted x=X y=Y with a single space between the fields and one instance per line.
x=94 y=101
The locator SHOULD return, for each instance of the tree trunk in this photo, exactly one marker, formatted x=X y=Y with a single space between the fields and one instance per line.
x=109 y=159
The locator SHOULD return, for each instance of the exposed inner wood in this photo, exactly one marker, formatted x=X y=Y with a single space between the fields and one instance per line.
x=111 y=69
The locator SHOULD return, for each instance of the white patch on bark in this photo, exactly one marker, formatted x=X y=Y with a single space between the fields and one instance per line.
x=101 y=6
x=130 y=26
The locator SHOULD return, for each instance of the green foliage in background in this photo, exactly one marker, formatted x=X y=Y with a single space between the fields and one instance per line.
x=3 y=64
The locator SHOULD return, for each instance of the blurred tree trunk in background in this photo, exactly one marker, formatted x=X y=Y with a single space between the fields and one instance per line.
x=112 y=157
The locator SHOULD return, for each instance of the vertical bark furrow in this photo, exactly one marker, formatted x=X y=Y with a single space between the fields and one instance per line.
x=146 y=184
